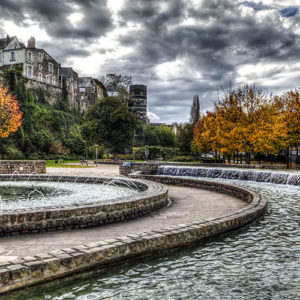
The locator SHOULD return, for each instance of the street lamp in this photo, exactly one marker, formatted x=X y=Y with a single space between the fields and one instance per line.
x=96 y=155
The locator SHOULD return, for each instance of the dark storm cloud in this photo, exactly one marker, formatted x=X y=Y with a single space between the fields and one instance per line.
x=211 y=37
x=53 y=16
x=62 y=51
x=221 y=40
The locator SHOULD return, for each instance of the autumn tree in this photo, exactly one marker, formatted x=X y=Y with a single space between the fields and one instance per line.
x=244 y=120
x=10 y=114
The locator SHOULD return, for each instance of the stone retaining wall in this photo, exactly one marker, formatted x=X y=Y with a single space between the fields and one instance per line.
x=23 y=221
x=28 y=271
x=151 y=167
x=22 y=166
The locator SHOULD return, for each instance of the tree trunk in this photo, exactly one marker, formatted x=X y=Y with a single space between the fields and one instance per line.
x=248 y=158
x=287 y=157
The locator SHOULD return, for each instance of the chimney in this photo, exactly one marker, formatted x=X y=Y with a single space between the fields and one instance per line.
x=7 y=39
x=31 y=42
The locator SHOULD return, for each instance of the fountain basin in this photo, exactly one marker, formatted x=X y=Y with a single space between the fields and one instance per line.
x=27 y=271
x=81 y=214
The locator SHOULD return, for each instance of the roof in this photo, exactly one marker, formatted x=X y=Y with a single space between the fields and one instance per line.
x=85 y=82
x=65 y=72
x=3 y=42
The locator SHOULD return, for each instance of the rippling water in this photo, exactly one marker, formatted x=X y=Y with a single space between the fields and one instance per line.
x=260 y=261
x=29 y=194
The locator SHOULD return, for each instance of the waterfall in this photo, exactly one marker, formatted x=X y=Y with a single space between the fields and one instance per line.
x=240 y=174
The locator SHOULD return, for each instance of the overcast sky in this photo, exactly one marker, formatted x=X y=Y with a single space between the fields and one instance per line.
x=178 y=48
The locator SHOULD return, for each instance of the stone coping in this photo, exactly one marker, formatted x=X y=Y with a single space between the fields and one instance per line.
x=152 y=197
x=28 y=271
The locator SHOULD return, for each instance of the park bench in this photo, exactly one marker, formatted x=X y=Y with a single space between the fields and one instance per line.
x=84 y=162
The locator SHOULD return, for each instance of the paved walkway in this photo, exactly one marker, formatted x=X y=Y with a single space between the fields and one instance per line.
x=188 y=205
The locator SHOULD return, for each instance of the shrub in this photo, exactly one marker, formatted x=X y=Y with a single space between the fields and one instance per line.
x=155 y=152
x=11 y=152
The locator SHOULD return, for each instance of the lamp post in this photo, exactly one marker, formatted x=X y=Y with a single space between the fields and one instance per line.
x=96 y=155
x=147 y=152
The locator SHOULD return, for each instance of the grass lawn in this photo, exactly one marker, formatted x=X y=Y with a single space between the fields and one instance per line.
x=52 y=164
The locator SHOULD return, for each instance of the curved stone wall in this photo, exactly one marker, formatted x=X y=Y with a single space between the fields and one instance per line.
x=28 y=271
x=153 y=197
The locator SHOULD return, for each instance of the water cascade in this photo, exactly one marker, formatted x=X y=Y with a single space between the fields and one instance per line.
x=238 y=174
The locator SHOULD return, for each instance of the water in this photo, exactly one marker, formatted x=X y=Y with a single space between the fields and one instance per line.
x=278 y=177
x=30 y=194
x=260 y=261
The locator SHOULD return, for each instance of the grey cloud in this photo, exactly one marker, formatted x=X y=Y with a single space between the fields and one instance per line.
x=62 y=51
x=52 y=16
x=216 y=43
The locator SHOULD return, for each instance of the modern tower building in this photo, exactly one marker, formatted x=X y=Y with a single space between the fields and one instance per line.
x=139 y=95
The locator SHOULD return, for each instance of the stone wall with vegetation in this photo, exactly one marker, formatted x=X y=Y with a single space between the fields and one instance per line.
x=27 y=271
x=22 y=167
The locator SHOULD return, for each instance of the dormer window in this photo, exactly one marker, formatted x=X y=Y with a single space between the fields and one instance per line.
x=12 y=56
x=50 y=67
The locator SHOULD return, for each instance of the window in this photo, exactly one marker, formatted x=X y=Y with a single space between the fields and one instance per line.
x=40 y=67
x=53 y=80
x=29 y=71
x=0 y=57
x=50 y=67
x=40 y=56
x=29 y=56
x=47 y=78
x=12 y=56
x=82 y=89
x=40 y=77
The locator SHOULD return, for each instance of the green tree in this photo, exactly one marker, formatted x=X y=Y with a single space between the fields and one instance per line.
x=159 y=136
x=151 y=133
x=195 y=110
x=167 y=137
x=111 y=123
x=185 y=138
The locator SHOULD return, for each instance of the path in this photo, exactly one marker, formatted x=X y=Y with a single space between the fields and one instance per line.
x=188 y=205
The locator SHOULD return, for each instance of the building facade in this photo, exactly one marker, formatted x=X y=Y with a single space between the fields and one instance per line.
x=139 y=96
x=36 y=63
x=39 y=68
x=43 y=72
x=90 y=90
x=71 y=80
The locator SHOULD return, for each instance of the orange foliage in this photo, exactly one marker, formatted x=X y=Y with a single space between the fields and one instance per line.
x=10 y=115
x=247 y=121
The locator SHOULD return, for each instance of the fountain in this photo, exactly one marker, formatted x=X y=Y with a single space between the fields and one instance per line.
x=237 y=174
x=37 y=203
